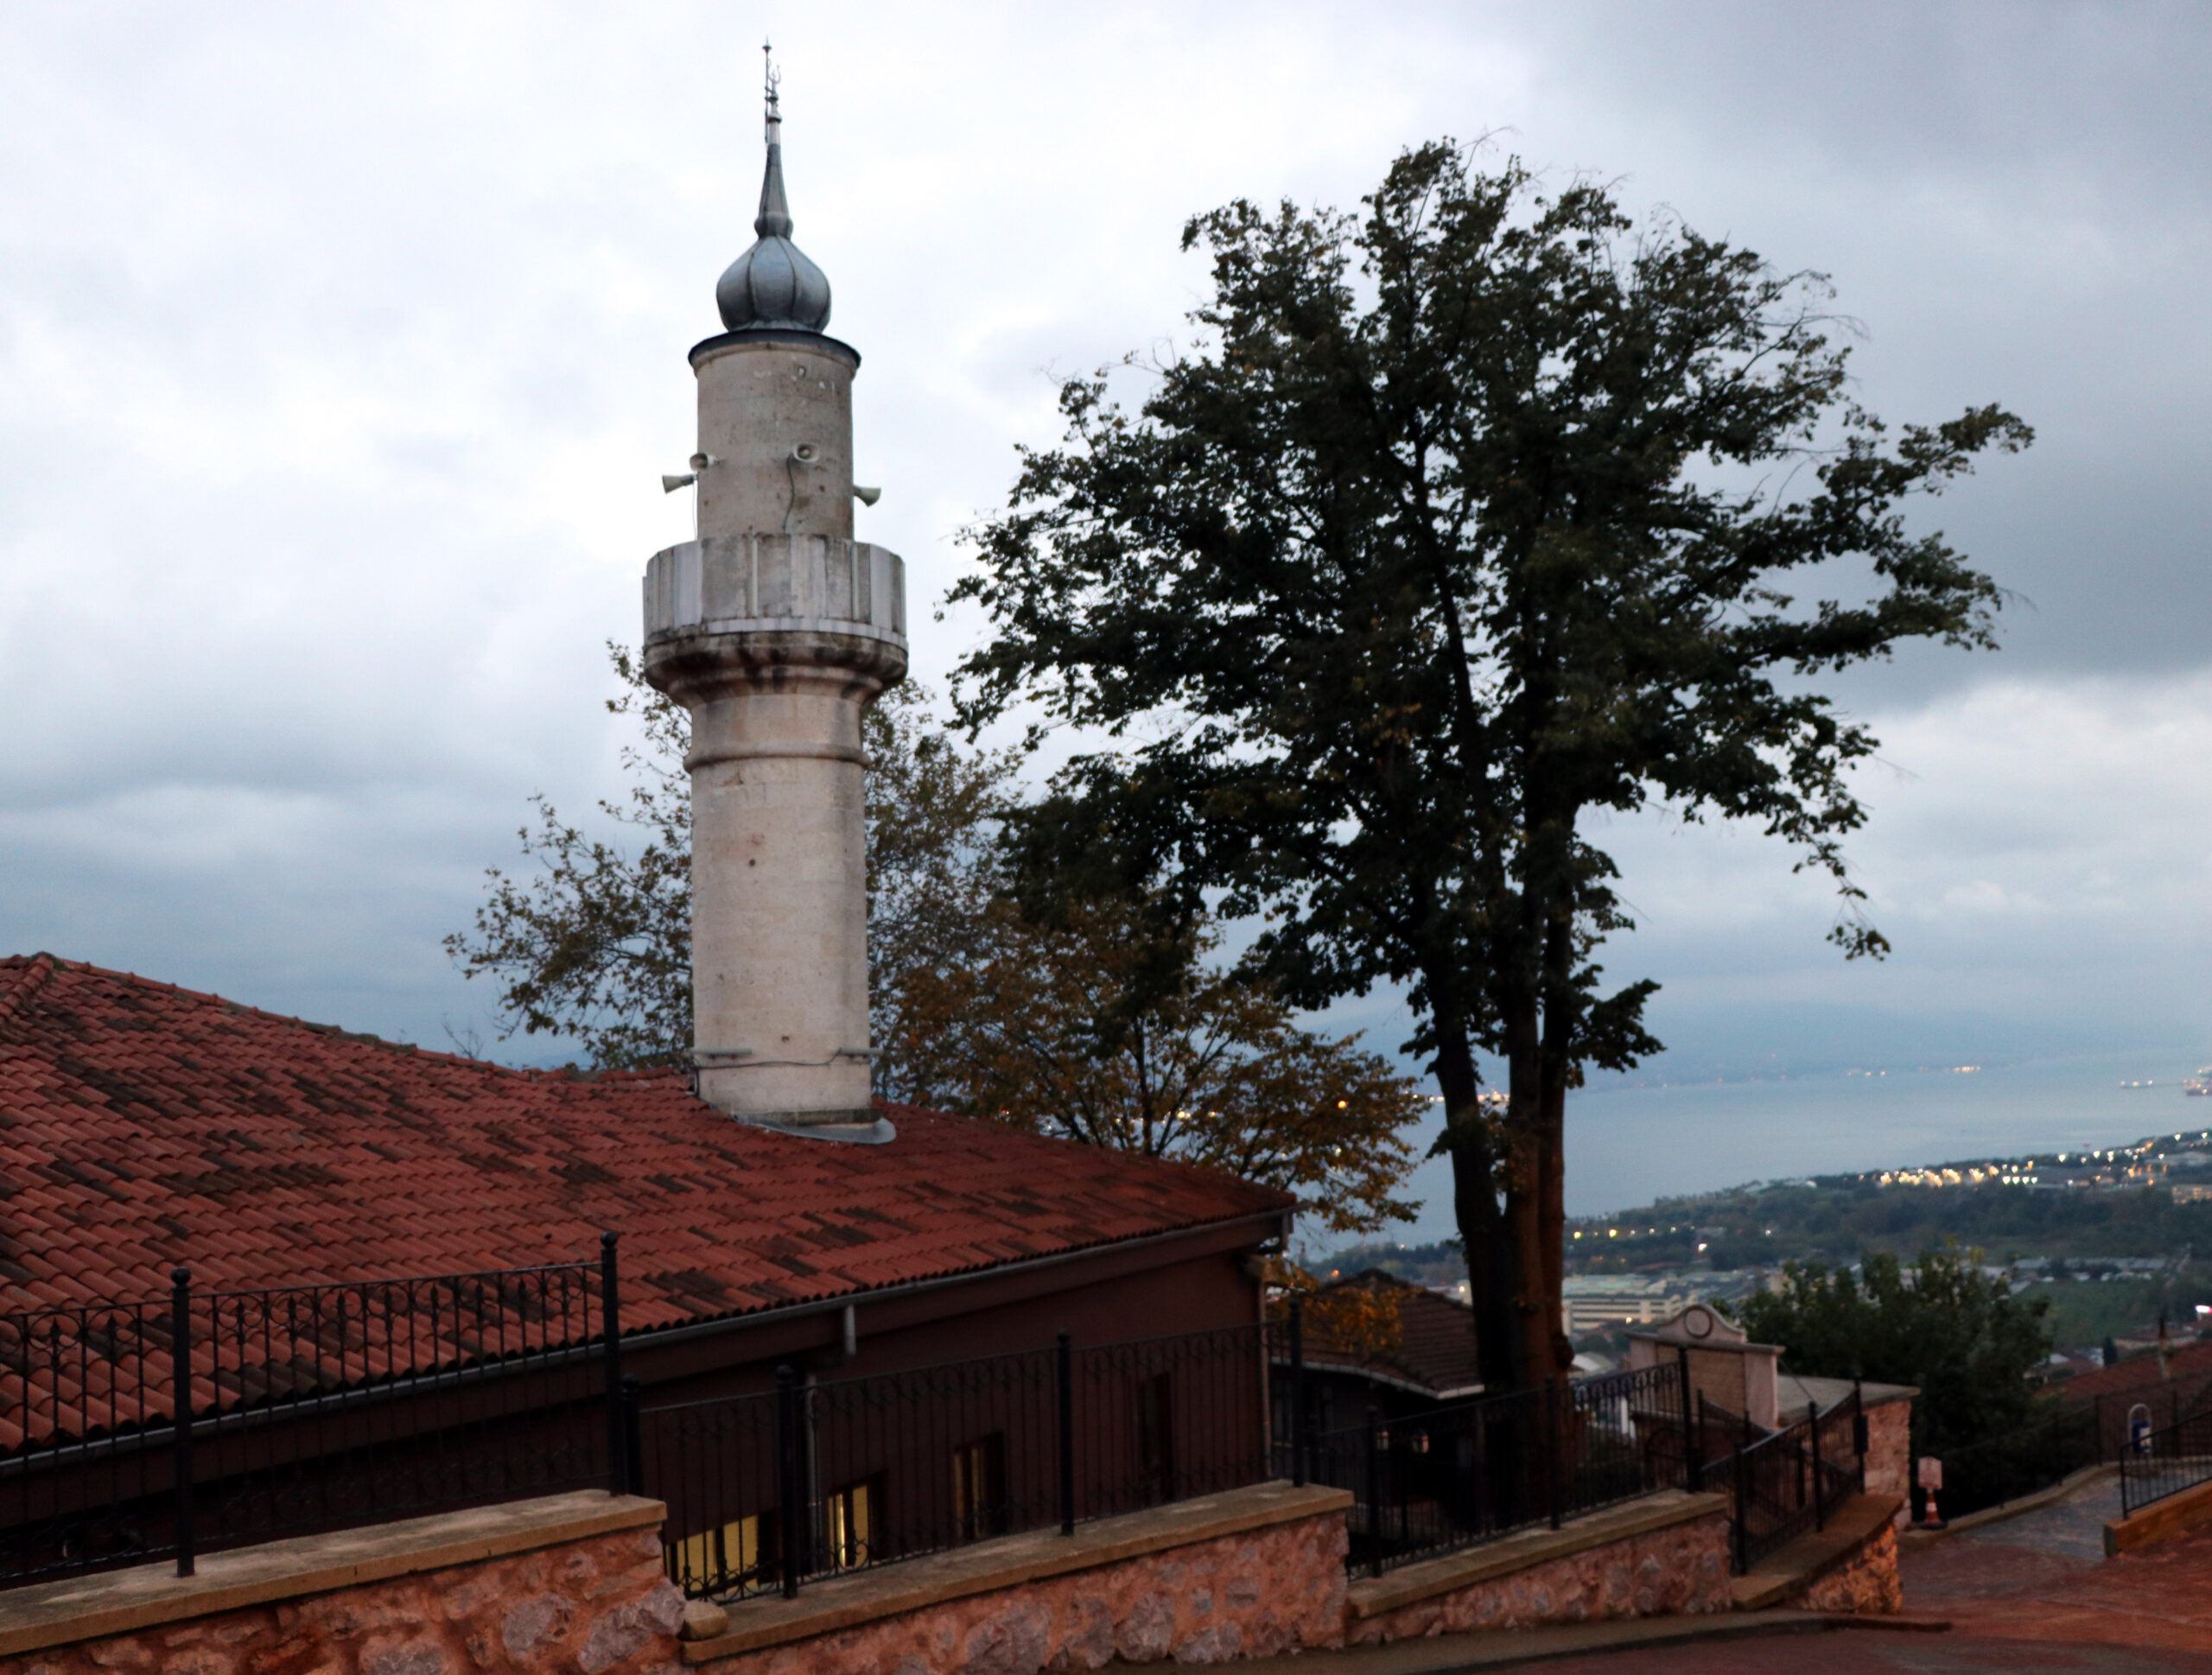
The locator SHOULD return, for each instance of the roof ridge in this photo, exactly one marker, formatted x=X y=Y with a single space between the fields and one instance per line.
x=9 y=999
x=37 y=970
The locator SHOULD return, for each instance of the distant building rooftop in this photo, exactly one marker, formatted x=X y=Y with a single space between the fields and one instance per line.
x=2187 y=1359
x=1435 y=1353
x=1793 y=1392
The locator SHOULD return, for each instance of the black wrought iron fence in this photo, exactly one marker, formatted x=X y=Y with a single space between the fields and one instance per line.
x=164 y=1429
x=2166 y=1462
x=79 y=1484
x=1790 y=1481
x=810 y=1478
x=2060 y=1438
x=2123 y=1415
x=1472 y=1471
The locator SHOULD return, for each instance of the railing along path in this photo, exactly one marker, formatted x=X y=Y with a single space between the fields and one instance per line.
x=164 y=1429
x=2166 y=1462
x=150 y=1429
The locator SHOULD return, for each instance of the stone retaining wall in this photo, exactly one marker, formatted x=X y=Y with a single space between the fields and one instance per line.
x=1867 y=1584
x=1256 y=1594
x=574 y=1586
x=1889 y=1453
x=599 y=1606
x=1679 y=1570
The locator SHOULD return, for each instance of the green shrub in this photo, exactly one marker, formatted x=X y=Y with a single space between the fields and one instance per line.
x=1943 y=1326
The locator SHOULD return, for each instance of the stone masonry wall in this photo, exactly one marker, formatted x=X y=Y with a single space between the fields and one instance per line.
x=1889 y=1453
x=1679 y=1571
x=595 y=1607
x=1252 y=1596
x=1868 y=1585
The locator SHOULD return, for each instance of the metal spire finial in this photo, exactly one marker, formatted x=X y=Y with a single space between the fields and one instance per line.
x=772 y=285
x=774 y=220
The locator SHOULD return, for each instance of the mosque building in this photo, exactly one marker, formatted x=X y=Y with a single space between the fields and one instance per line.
x=765 y=1209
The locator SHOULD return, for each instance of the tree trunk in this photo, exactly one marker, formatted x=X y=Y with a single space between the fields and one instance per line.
x=1557 y=1060
x=1536 y=1322
x=1493 y=1270
x=1554 y=1356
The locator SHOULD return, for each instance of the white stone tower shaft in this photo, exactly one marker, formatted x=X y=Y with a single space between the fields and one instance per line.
x=775 y=629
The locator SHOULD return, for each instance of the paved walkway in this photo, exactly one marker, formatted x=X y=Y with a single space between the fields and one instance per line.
x=2044 y=1577
x=2033 y=1593
x=1857 y=1651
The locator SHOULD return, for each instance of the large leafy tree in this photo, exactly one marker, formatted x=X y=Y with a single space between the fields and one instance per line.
x=1463 y=520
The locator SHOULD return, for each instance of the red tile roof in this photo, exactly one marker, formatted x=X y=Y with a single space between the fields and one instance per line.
x=1429 y=1337
x=143 y=1125
x=2187 y=1359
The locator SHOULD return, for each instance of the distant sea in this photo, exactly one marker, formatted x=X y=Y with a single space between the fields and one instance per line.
x=1629 y=1142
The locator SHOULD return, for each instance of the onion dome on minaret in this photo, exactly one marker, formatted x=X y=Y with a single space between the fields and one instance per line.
x=773 y=286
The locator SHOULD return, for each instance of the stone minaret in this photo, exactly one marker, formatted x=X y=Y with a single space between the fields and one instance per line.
x=775 y=628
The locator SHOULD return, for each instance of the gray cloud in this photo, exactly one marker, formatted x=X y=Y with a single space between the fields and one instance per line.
x=340 y=352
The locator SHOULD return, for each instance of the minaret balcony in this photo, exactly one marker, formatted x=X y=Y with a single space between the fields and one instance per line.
x=777 y=585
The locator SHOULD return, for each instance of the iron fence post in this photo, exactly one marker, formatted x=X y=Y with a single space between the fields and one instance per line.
x=180 y=1400
x=1700 y=1437
x=1374 y=1490
x=1065 y=1364
x=1738 y=1533
x=610 y=1320
x=633 y=1435
x=1552 y=1452
x=1298 y=1392
x=1820 y=1500
x=791 y=1512
x=1693 y=1432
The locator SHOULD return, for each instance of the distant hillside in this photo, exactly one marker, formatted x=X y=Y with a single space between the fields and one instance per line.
x=1440 y=1264
x=2115 y=1203
x=1833 y=1222
x=2118 y=1203
x=2074 y=1238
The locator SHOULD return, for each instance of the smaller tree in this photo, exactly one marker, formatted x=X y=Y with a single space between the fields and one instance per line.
x=1956 y=1333
x=935 y=810
x=596 y=944
x=1087 y=1010
x=1108 y=1027
x=1346 y=1318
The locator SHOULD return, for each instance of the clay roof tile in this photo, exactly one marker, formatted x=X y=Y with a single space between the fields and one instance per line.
x=143 y=1125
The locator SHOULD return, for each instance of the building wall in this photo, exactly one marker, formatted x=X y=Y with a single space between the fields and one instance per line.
x=1147 y=1428
x=1189 y=1294
x=553 y=1423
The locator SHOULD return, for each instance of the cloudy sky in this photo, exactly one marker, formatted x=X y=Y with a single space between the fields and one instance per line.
x=340 y=349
